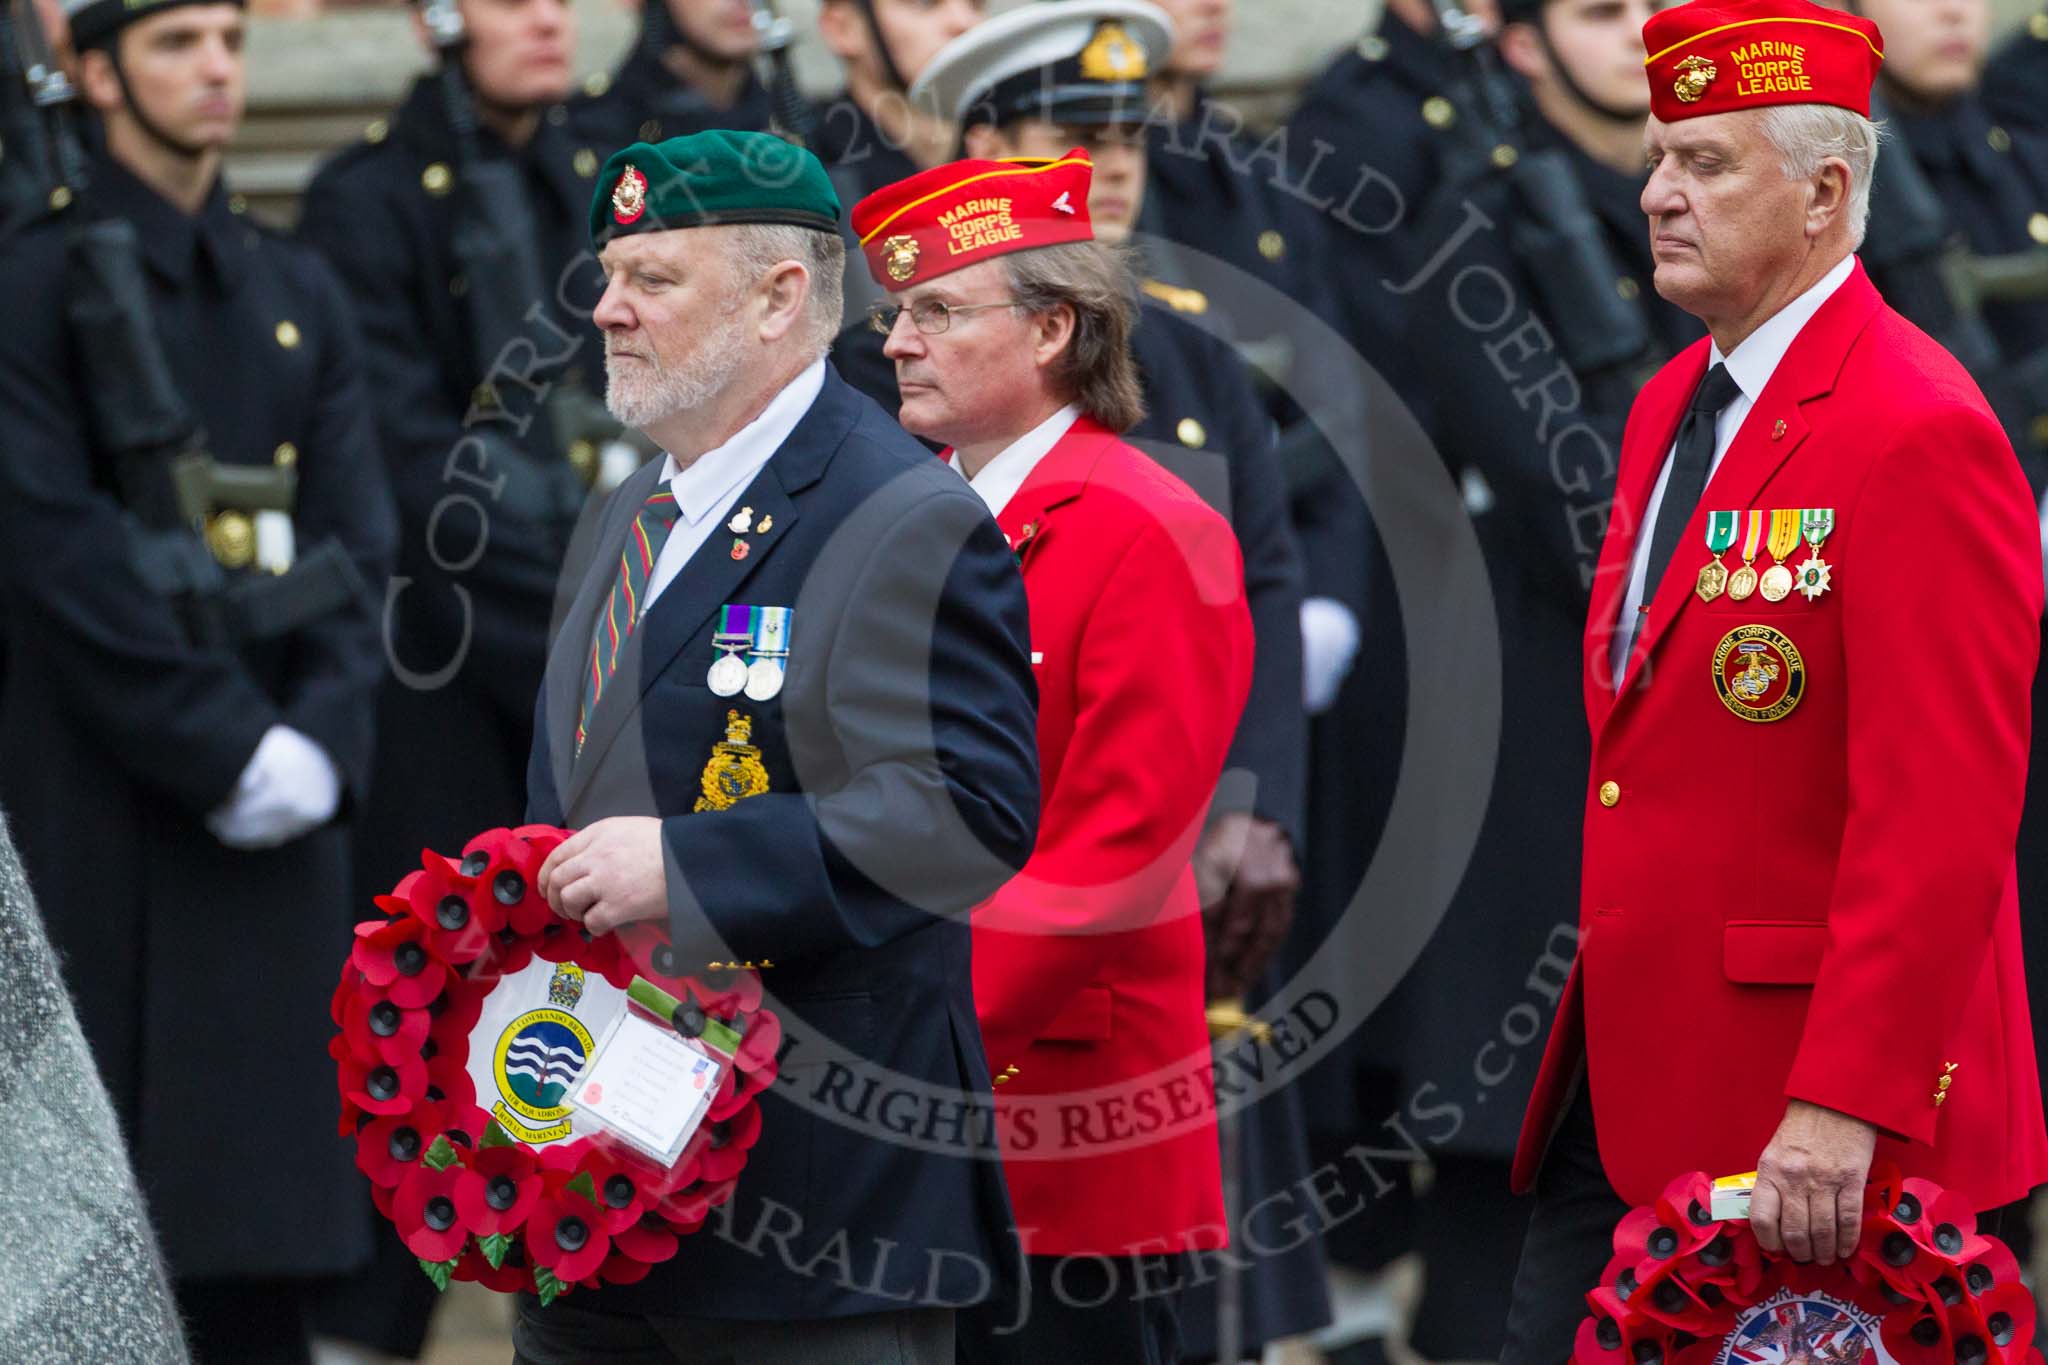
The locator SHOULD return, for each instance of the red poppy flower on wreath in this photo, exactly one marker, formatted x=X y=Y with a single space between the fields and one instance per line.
x=565 y=1234
x=424 y=1210
x=1923 y=1288
x=375 y=1025
x=729 y=1141
x=460 y=922
x=395 y=955
x=463 y=1020
x=497 y=1190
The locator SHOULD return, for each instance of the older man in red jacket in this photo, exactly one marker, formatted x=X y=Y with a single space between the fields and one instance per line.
x=1813 y=632
x=1009 y=327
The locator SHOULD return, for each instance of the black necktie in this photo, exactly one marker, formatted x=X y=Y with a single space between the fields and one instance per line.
x=1692 y=457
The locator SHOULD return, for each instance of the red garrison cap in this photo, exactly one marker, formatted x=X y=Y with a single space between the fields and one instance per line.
x=967 y=211
x=1708 y=58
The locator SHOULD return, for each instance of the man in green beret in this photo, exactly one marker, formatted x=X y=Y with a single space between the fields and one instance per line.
x=790 y=711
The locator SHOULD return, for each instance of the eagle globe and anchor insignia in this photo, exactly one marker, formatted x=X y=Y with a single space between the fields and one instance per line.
x=1695 y=74
x=1805 y=1329
x=537 y=1057
x=899 y=256
x=1758 y=673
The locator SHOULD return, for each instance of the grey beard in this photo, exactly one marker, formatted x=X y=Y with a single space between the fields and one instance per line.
x=643 y=393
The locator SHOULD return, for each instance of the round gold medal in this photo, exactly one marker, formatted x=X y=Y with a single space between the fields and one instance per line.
x=1776 y=584
x=1742 y=584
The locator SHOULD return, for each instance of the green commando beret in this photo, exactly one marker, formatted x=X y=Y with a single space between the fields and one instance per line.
x=718 y=176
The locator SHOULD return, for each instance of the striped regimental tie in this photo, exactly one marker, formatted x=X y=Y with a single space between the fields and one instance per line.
x=628 y=597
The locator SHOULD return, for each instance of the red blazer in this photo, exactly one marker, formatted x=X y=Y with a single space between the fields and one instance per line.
x=1088 y=965
x=1821 y=906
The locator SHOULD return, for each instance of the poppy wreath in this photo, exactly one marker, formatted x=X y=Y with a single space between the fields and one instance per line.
x=469 y=1199
x=1922 y=1288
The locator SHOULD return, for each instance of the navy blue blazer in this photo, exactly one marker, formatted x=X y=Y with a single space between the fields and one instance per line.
x=902 y=758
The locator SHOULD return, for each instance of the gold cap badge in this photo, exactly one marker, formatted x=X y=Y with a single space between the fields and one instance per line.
x=629 y=196
x=899 y=257
x=1111 y=55
x=1695 y=74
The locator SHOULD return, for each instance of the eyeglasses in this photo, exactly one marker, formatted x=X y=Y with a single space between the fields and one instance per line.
x=930 y=316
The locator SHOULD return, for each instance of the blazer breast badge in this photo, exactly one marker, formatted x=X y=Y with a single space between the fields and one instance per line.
x=735 y=771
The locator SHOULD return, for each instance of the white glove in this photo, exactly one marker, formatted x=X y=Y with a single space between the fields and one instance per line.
x=1329 y=642
x=289 y=788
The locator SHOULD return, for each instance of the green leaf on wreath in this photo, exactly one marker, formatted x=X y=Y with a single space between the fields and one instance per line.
x=584 y=1186
x=546 y=1285
x=494 y=1248
x=495 y=1135
x=439 y=1272
x=441 y=1155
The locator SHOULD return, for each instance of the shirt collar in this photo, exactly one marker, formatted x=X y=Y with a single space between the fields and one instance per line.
x=1002 y=476
x=721 y=471
x=1752 y=363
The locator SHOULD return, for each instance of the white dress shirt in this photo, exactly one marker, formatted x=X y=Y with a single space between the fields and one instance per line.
x=1002 y=476
x=706 y=491
x=1750 y=365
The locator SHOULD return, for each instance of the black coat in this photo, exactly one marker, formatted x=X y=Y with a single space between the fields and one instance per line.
x=202 y=974
x=468 y=639
x=1993 y=182
x=1993 y=188
x=902 y=763
x=646 y=102
x=1540 y=508
x=2016 y=73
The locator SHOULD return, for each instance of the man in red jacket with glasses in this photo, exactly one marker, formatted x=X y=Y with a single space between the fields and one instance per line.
x=1009 y=326
x=1813 y=633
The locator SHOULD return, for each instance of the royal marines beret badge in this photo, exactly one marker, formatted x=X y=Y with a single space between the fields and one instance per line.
x=629 y=196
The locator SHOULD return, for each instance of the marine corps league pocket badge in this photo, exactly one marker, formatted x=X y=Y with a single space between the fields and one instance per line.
x=1758 y=673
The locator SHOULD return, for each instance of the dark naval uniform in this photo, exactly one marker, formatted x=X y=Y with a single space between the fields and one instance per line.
x=644 y=101
x=1993 y=181
x=1990 y=172
x=2016 y=73
x=202 y=973
x=1380 y=109
x=857 y=154
x=467 y=640
x=1540 y=504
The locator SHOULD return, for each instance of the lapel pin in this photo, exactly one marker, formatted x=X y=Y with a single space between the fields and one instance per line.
x=741 y=523
x=1778 y=431
x=739 y=549
x=767 y=525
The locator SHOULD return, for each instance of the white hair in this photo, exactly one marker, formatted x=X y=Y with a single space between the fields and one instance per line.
x=756 y=247
x=1808 y=134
